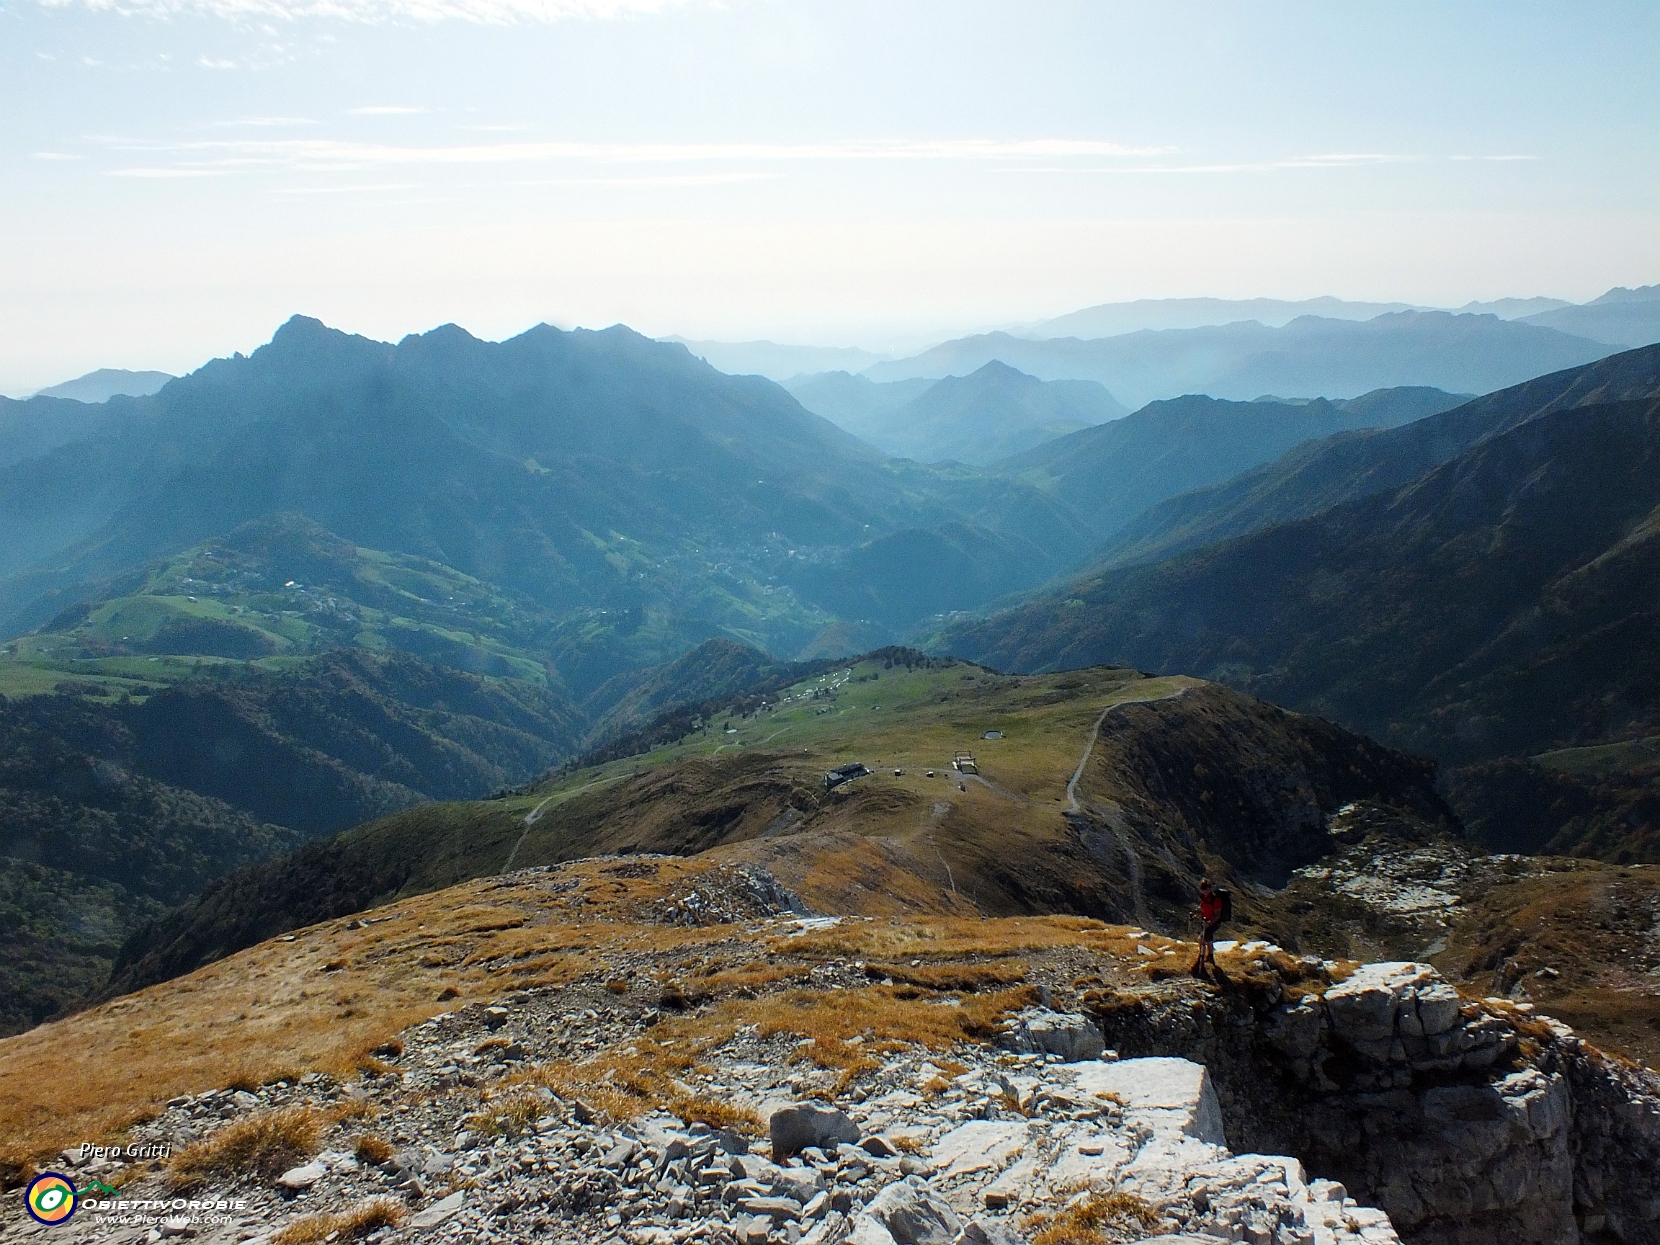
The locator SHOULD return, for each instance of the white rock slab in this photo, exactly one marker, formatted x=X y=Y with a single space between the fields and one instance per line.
x=980 y=1145
x=439 y=1211
x=1089 y=1159
x=1168 y=1095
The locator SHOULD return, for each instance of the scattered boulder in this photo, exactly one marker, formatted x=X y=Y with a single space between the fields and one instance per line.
x=913 y=1214
x=439 y=1211
x=989 y=1232
x=1039 y=1031
x=303 y=1177
x=796 y=1127
x=800 y=1183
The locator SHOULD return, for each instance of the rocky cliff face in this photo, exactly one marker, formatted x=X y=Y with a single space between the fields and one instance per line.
x=1468 y=1122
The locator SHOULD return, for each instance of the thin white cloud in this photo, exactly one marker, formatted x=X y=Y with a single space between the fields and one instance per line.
x=491 y=12
x=344 y=190
x=265 y=122
x=325 y=155
x=1346 y=160
x=209 y=62
x=668 y=179
x=1331 y=160
x=386 y=110
x=161 y=173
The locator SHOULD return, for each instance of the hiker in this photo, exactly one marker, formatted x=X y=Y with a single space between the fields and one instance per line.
x=1211 y=913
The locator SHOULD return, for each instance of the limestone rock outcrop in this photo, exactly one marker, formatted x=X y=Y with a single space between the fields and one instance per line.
x=1469 y=1122
x=1040 y=1031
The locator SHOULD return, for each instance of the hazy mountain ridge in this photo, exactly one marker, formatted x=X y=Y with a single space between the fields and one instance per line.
x=107 y=383
x=1114 y=472
x=1622 y=317
x=1308 y=356
x=38 y=425
x=1113 y=319
x=1346 y=466
x=990 y=414
x=777 y=361
x=855 y=403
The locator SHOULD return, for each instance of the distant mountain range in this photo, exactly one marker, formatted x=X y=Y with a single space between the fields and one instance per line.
x=107 y=383
x=1621 y=317
x=776 y=361
x=1157 y=314
x=1110 y=474
x=990 y=414
x=1112 y=319
x=1308 y=357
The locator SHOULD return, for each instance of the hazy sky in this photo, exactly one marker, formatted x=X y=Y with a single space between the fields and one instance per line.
x=182 y=175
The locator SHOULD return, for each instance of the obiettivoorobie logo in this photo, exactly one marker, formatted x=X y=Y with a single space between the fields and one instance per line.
x=51 y=1198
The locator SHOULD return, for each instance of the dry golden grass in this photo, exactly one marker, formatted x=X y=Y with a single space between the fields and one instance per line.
x=372 y=1149
x=1094 y=1219
x=347 y=1225
x=716 y=1113
x=847 y=1060
x=969 y=977
x=895 y=1013
x=266 y=1144
x=942 y=938
x=511 y=1115
x=756 y=975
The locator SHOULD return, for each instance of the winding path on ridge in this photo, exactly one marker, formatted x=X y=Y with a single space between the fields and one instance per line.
x=1076 y=808
x=535 y=815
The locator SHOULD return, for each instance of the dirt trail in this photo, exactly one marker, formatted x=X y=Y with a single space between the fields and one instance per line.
x=535 y=815
x=1095 y=734
x=1113 y=822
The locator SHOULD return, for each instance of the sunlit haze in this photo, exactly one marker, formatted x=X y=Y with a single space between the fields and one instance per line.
x=182 y=175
